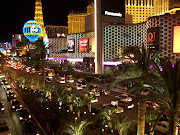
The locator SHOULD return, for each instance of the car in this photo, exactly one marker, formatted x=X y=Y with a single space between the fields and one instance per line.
x=61 y=80
x=15 y=104
x=48 y=80
x=79 y=87
x=96 y=93
x=6 y=85
x=70 y=80
x=8 y=88
x=95 y=100
x=124 y=98
x=162 y=126
x=28 y=128
x=10 y=95
x=93 y=87
x=3 y=81
x=23 y=115
x=104 y=92
x=1 y=107
x=83 y=84
x=152 y=104
x=68 y=88
x=117 y=109
x=4 y=128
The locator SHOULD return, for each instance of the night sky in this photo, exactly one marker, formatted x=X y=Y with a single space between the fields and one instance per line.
x=14 y=13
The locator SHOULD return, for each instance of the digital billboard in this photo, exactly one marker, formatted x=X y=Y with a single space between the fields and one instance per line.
x=93 y=47
x=71 y=45
x=84 y=45
x=153 y=39
x=176 y=39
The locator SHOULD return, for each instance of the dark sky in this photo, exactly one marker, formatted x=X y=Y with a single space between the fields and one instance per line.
x=14 y=13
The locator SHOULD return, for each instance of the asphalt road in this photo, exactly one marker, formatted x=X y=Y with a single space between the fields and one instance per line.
x=103 y=99
x=11 y=116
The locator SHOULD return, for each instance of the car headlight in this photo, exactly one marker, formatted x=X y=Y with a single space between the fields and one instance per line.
x=2 y=109
x=13 y=106
x=20 y=118
x=20 y=105
x=29 y=116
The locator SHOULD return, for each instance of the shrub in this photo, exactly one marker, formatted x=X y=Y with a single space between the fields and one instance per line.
x=88 y=78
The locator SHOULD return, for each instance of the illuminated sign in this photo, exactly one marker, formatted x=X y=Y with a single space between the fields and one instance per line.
x=83 y=45
x=93 y=46
x=113 y=14
x=113 y=8
x=32 y=30
x=153 y=39
x=71 y=45
x=176 y=39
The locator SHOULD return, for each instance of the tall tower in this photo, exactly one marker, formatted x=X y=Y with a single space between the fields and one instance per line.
x=39 y=16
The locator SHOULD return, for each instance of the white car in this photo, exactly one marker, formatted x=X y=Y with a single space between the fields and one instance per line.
x=70 y=80
x=95 y=100
x=79 y=87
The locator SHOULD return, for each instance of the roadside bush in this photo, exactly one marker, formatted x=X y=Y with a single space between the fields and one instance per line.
x=95 y=80
x=103 y=77
x=88 y=78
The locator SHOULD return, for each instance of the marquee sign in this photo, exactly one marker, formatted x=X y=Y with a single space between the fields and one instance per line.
x=32 y=30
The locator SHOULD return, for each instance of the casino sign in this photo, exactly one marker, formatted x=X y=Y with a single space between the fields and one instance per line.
x=32 y=30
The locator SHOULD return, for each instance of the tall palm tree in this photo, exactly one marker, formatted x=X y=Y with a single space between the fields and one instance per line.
x=106 y=116
x=70 y=101
x=38 y=61
x=122 y=125
x=41 y=51
x=77 y=127
x=167 y=76
x=138 y=71
x=89 y=98
x=78 y=103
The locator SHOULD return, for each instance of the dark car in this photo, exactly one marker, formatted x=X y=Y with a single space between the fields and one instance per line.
x=11 y=95
x=28 y=128
x=93 y=87
x=15 y=104
x=1 y=107
x=23 y=115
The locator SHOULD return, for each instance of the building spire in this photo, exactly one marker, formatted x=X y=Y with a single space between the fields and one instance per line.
x=39 y=16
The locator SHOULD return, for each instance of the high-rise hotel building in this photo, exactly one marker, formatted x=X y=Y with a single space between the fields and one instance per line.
x=76 y=20
x=143 y=9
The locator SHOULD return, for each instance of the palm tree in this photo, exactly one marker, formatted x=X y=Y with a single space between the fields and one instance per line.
x=77 y=127
x=152 y=117
x=167 y=76
x=106 y=116
x=29 y=82
x=70 y=101
x=59 y=91
x=21 y=81
x=78 y=103
x=138 y=71
x=38 y=61
x=122 y=125
x=89 y=98
x=48 y=90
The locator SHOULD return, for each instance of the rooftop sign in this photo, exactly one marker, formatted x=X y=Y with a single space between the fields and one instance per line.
x=113 y=14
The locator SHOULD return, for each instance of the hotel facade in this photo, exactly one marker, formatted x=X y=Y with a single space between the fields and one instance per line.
x=156 y=31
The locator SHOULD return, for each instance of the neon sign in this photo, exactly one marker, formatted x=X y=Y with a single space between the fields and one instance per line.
x=113 y=14
x=32 y=30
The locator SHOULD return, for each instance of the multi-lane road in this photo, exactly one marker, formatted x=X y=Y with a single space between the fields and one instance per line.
x=11 y=116
x=130 y=113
